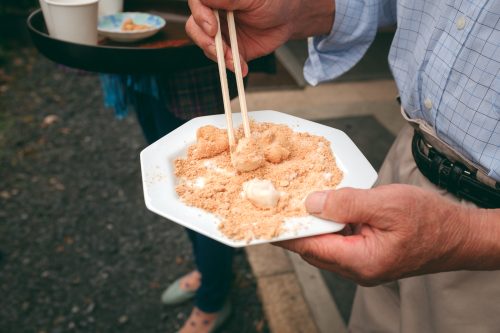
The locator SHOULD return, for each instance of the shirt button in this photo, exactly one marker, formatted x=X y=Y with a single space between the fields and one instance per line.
x=460 y=23
x=428 y=103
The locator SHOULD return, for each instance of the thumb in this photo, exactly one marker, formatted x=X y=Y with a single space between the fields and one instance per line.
x=346 y=205
x=326 y=250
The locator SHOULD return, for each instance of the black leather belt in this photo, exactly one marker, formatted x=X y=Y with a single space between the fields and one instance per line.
x=453 y=176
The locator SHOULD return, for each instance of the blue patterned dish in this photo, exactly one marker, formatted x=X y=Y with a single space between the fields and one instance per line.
x=111 y=26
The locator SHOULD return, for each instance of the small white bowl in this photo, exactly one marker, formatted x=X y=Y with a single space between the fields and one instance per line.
x=111 y=26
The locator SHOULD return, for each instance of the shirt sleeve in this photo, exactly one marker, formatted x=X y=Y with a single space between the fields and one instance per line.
x=354 y=28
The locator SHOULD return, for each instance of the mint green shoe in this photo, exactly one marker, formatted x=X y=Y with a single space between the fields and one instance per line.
x=174 y=295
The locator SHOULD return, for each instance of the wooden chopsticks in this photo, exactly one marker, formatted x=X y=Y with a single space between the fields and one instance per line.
x=223 y=77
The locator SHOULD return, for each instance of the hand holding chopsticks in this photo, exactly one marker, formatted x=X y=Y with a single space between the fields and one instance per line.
x=223 y=77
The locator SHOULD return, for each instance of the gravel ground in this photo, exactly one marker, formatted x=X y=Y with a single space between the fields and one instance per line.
x=79 y=252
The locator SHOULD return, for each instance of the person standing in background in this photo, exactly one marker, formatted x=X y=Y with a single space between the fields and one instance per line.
x=163 y=102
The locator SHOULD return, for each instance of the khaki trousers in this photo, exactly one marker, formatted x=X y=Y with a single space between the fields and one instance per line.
x=462 y=301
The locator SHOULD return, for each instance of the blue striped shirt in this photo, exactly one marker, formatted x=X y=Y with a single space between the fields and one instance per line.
x=445 y=59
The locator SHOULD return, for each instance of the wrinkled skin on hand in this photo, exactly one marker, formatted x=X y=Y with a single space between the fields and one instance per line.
x=261 y=25
x=259 y=32
x=396 y=231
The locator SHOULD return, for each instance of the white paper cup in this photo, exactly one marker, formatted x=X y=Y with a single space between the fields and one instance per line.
x=74 y=20
x=110 y=7
x=46 y=16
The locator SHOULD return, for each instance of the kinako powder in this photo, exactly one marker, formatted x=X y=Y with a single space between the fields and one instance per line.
x=296 y=163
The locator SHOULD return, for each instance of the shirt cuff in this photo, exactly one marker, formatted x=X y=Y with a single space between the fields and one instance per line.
x=354 y=28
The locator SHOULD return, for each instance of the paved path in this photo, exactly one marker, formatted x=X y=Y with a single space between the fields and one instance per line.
x=79 y=250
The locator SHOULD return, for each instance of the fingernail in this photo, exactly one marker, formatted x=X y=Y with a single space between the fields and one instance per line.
x=315 y=202
x=207 y=27
x=213 y=49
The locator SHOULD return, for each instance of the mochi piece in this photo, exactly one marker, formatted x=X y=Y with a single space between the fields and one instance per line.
x=248 y=155
x=261 y=193
x=210 y=142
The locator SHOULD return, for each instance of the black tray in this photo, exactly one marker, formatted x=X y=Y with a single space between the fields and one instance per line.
x=168 y=51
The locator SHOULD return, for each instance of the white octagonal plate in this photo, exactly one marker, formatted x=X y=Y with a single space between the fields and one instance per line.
x=159 y=182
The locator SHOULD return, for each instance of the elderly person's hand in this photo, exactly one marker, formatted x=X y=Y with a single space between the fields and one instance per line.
x=399 y=231
x=262 y=25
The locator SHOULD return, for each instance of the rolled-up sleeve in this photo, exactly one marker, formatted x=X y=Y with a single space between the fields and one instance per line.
x=354 y=28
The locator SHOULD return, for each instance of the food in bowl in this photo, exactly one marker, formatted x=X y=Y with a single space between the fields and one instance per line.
x=129 y=25
x=263 y=182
